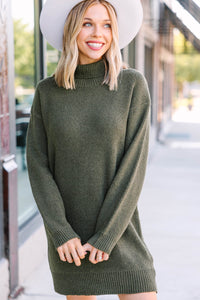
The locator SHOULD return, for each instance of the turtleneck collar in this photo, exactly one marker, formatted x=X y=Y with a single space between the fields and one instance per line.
x=93 y=70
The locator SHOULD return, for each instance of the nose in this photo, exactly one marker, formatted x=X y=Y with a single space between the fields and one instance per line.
x=97 y=31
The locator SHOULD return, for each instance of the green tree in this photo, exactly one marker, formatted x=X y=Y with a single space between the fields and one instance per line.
x=24 y=54
x=187 y=60
x=187 y=67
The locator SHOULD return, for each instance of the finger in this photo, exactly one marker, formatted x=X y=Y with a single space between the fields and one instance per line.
x=81 y=252
x=76 y=257
x=99 y=256
x=105 y=256
x=87 y=247
x=68 y=257
x=61 y=254
x=80 y=249
x=92 y=256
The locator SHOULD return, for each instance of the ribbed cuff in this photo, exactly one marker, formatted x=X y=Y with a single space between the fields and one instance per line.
x=103 y=242
x=61 y=237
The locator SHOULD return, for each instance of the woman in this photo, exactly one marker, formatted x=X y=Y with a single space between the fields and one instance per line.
x=87 y=146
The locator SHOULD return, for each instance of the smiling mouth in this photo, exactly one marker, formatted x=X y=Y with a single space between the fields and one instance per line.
x=95 y=46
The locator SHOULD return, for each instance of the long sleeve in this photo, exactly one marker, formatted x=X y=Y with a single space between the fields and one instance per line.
x=121 y=199
x=44 y=188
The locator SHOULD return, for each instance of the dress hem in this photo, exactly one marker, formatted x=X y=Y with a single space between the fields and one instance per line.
x=122 y=282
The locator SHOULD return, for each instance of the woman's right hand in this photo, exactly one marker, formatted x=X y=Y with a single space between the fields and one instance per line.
x=72 y=251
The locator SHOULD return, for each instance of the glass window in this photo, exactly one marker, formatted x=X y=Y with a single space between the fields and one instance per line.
x=52 y=57
x=23 y=19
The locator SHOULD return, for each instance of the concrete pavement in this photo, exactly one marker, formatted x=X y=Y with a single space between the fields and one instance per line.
x=170 y=215
x=170 y=208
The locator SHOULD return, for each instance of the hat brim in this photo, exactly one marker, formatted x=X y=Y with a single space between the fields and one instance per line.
x=54 y=14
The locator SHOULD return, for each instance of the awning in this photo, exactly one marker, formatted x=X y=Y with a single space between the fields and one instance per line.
x=185 y=15
x=192 y=8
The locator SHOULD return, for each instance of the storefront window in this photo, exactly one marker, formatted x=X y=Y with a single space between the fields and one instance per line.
x=23 y=20
x=52 y=56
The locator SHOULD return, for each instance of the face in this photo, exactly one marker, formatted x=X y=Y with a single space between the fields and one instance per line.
x=95 y=36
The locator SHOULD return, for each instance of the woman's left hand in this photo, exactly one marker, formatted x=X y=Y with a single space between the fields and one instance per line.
x=96 y=255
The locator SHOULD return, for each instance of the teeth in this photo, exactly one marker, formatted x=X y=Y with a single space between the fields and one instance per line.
x=95 y=45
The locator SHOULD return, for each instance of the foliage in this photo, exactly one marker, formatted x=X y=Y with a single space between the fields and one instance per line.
x=24 y=54
x=187 y=67
x=187 y=60
x=181 y=45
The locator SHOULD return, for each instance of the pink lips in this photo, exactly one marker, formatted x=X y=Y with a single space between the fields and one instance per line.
x=93 y=45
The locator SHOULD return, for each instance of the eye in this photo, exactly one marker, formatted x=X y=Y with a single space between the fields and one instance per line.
x=88 y=24
x=107 y=25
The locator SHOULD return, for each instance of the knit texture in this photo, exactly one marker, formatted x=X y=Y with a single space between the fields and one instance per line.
x=87 y=152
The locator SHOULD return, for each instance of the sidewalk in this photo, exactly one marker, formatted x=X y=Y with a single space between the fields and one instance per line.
x=170 y=215
x=170 y=209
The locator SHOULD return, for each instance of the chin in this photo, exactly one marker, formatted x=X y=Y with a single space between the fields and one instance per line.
x=94 y=58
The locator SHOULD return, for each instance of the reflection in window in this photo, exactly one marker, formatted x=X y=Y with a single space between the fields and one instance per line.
x=23 y=19
x=52 y=56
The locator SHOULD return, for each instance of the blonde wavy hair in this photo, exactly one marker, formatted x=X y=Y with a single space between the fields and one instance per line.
x=64 y=74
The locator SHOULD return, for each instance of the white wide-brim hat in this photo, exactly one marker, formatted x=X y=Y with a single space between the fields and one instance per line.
x=54 y=14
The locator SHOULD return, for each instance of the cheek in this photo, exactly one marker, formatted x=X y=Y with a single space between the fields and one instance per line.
x=108 y=35
x=81 y=36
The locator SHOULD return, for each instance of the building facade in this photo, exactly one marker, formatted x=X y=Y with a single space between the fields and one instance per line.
x=25 y=58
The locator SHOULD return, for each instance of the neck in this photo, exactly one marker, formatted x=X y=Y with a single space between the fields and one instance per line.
x=93 y=70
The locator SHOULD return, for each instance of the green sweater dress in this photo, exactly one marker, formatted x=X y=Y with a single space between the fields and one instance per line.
x=87 y=151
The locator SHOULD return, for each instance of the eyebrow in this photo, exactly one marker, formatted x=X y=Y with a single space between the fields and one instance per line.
x=91 y=20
